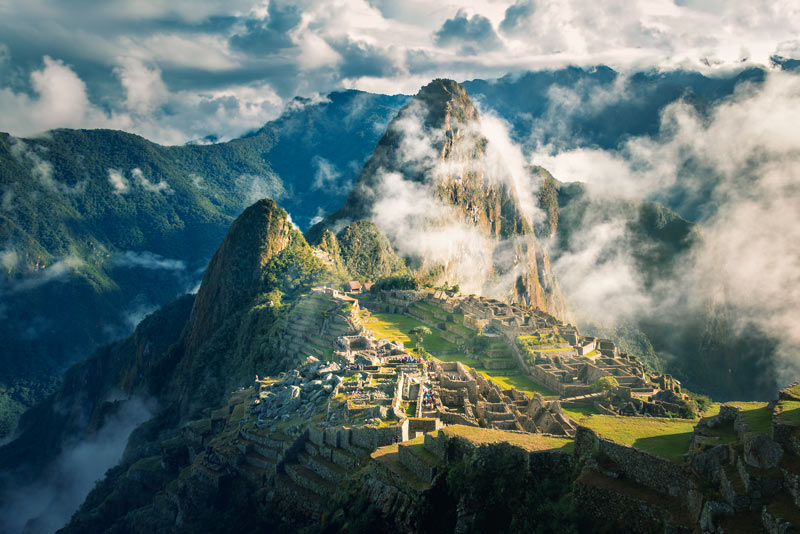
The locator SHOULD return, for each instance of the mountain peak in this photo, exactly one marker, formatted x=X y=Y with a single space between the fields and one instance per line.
x=262 y=231
x=447 y=104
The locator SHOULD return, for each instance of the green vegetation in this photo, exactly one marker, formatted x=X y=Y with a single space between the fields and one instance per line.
x=367 y=254
x=793 y=391
x=419 y=333
x=540 y=339
x=788 y=412
x=667 y=438
x=605 y=383
x=405 y=281
x=398 y=326
x=756 y=415
x=530 y=442
x=699 y=403
x=507 y=379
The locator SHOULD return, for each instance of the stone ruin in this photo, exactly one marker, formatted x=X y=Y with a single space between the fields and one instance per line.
x=462 y=396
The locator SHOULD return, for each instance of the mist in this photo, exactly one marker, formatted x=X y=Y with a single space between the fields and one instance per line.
x=47 y=504
x=735 y=170
x=421 y=225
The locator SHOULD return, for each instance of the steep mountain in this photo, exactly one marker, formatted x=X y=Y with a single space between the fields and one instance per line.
x=180 y=361
x=366 y=252
x=110 y=226
x=433 y=186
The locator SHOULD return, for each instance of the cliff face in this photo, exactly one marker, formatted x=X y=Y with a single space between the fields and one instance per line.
x=183 y=358
x=450 y=204
x=236 y=270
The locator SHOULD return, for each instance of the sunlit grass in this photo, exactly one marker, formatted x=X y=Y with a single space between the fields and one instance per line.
x=530 y=442
x=398 y=326
x=667 y=438
x=756 y=415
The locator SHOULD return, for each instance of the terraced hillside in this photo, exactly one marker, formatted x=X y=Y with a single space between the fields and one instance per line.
x=314 y=323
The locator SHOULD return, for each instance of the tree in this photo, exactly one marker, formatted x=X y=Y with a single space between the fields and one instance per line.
x=420 y=332
x=605 y=383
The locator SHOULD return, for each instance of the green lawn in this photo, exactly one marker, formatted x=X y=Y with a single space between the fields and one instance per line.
x=667 y=438
x=794 y=391
x=788 y=412
x=712 y=410
x=522 y=382
x=530 y=442
x=757 y=415
x=397 y=326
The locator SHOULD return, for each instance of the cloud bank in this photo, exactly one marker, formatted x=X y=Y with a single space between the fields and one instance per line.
x=174 y=73
x=736 y=169
x=47 y=504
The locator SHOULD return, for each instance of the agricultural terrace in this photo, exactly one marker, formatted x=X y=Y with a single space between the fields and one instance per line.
x=530 y=442
x=667 y=438
x=398 y=327
x=757 y=415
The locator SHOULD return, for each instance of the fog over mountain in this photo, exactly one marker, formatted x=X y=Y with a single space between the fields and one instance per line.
x=630 y=168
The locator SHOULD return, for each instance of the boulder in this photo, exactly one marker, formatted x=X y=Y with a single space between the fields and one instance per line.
x=760 y=451
x=708 y=464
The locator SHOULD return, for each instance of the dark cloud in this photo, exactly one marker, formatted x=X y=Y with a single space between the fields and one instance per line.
x=263 y=37
x=517 y=15
x=185 y=69
x=362 y=59
x=474 y=34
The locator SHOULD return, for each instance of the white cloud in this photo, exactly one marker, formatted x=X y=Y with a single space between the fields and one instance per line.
x=144 y=88
x=41 y=169
x=9 y=259
x=118 y=182
x=52 y=499
x=60 y=101
x=744 y=174
x=148 y=260
x=56 y=271
x=328 y=178
x=147 y=185
x=252 y=188
x=179 y=78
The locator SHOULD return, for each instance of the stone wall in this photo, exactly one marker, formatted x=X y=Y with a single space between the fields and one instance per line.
x=423 y=424
x=422 y=469
x=642 y=467
x=610 y=504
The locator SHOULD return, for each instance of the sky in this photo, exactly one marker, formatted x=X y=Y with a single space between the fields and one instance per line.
x=180 y=70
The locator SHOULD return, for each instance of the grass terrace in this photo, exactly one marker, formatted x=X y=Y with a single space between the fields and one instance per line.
x=507 y=380
x=530 y=442
x=788 y=412
x=756 y=415
x=794 y=391
x=397 y=326
x=540 y=339
x=667 y=438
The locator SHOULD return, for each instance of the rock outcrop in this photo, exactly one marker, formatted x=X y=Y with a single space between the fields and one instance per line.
x=435 y=155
